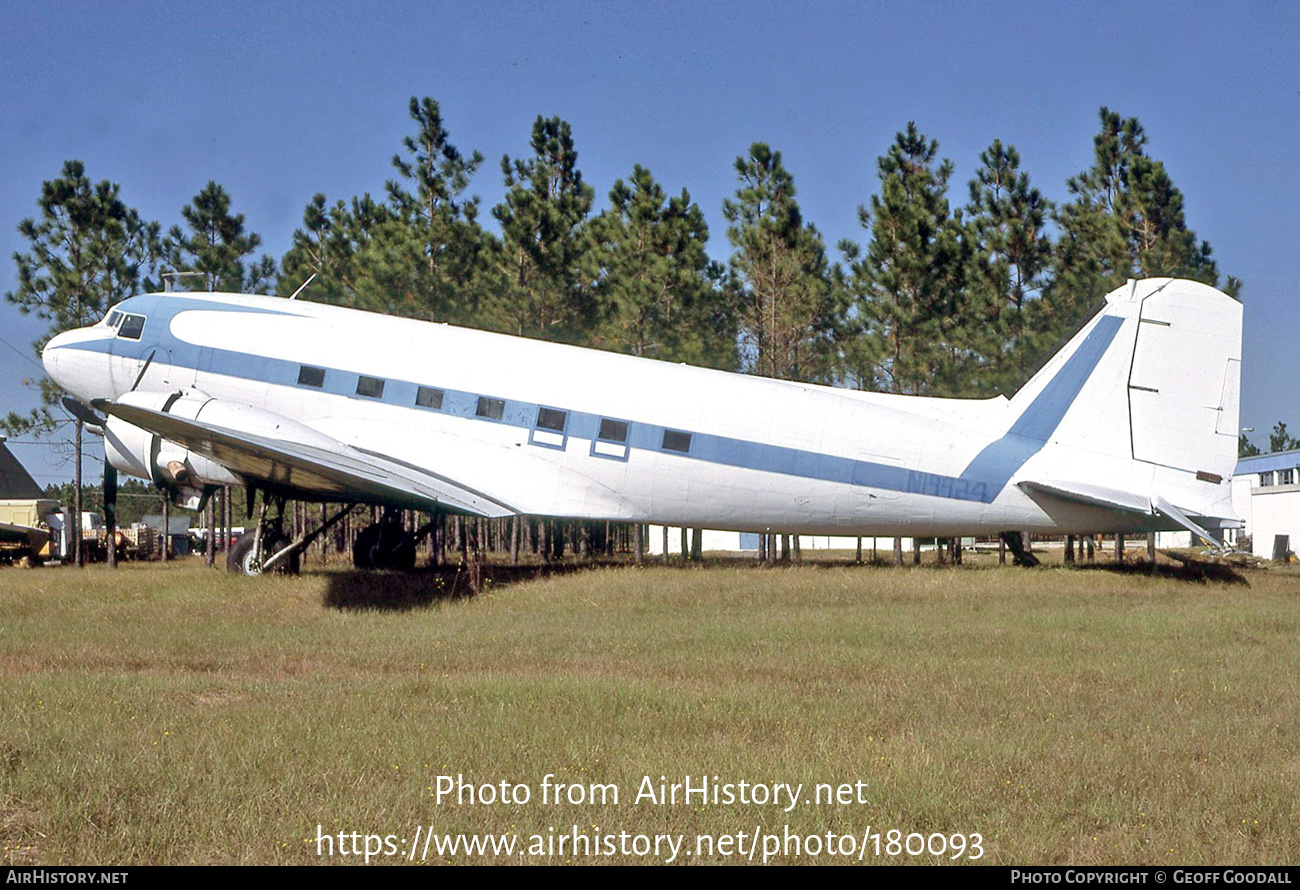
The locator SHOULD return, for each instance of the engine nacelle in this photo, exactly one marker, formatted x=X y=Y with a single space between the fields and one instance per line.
x=186 y=476
x=138 y=452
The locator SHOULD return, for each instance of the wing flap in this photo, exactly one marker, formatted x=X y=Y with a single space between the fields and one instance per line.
x=338 y=470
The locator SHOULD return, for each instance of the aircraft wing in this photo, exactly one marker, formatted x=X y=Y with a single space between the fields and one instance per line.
x=338 y=472
x=1112 y=499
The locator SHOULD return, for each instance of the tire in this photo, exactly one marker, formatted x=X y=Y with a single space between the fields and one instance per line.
x=374 y=550
x=240 y=558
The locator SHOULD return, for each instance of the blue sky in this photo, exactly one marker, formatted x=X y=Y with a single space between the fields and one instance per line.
x=279 y=100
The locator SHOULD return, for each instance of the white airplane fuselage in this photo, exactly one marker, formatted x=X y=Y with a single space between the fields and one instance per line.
x=552 y=430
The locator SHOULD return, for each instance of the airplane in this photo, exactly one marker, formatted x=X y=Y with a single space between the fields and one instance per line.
x=1131 y=427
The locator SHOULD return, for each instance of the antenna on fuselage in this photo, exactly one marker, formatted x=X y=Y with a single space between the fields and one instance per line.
x=168 y=278
x=302 y=287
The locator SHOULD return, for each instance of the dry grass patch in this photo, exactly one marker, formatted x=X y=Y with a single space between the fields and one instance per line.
x=173 y=714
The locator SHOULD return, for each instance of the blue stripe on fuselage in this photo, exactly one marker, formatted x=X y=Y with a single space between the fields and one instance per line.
x=981 y=481
x=995 y=465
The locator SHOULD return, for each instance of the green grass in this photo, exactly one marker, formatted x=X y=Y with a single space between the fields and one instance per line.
x=171 y=714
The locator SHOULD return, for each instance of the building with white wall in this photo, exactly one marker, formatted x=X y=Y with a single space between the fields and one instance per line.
x=747 y=542
x=1266 y=494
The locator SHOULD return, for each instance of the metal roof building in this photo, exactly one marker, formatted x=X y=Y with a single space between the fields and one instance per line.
x=1266 y=494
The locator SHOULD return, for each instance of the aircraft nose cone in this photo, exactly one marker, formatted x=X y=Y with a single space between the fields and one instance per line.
x=51 y=353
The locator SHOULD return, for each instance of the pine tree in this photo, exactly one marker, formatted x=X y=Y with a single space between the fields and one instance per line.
x=654 y=283
x=909 y=284
x=1281 y=440
x=217 y=245
x=1011 y=262
x=87 y=251
x=541 y=219
x=443 y=222
x=1126 y=221
x=789 y=316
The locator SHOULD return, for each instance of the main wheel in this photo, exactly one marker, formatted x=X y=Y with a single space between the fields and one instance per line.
x=380 y=547
x=242 y=558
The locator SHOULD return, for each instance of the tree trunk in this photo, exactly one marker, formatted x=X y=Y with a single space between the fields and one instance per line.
x=167 y=527
x=74 y=527
x=210 y=520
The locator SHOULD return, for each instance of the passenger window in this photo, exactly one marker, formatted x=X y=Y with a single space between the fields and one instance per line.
x=132 y=327
x=611 y=440
x=370 y=387
x=675 y=440
x=613 y=430
x=492 y=409
x=550 y=419
x=428 y=397
x=548 y=431
x=309 y=376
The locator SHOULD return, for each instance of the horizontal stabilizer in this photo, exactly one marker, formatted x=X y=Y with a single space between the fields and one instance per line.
x=1091 y=495
x=340 y=469
x=1111 y=499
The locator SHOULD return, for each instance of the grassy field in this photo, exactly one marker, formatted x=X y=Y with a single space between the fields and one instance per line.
x=178 y=715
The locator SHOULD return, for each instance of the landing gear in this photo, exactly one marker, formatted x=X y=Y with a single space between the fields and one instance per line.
x=1016 y=545
x=268 y=549
x=247 y=558
x=385 y=544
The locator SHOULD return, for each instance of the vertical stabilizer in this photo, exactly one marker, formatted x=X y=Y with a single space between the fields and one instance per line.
x=1140 y=409
x=1184 y=389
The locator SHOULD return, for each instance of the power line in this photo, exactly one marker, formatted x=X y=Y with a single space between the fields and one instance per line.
x=25 y=356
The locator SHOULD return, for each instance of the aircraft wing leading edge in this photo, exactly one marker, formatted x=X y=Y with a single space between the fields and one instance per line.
x=349 y=473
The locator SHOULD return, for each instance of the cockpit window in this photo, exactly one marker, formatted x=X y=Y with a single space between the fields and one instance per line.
x=132 y=327
x=114 y=319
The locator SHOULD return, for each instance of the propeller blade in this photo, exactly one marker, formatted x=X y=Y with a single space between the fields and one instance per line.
x=110 y=512
x=83 y=412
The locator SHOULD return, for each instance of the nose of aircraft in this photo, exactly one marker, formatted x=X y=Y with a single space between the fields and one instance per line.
x=50 y=355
